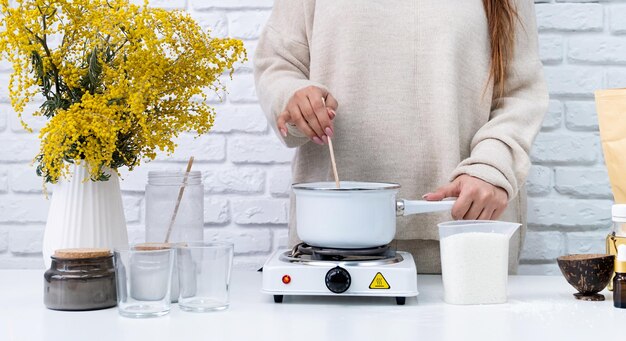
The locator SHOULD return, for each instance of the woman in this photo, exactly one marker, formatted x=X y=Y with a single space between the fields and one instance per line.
x=425 y=93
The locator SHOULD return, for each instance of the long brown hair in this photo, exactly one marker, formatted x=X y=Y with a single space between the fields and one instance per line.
x=501 y=19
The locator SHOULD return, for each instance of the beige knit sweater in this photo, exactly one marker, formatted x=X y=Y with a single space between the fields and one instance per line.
x=415 y=108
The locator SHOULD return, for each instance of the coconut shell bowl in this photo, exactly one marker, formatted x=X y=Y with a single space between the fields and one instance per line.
x=587 y=273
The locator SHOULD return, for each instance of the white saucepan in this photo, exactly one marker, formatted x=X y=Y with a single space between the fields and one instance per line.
x=356 y=215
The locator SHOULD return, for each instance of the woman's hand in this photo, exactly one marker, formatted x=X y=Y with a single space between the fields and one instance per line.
x=307 y=112
x=477 y=199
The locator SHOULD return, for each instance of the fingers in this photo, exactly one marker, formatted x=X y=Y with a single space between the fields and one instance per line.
x=478 y=200
x=331 y=113
x=331 y=102
x=479 y=211
x=282 y=120
x=448 y=191
x=462 y=206
x=498 y=212
x=301 y=123
x=486 y=214
x=322 y=114
x=311 y=118
x=308 y=112
x=475 y=209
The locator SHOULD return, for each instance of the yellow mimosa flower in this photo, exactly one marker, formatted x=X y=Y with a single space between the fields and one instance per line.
x=119 y=80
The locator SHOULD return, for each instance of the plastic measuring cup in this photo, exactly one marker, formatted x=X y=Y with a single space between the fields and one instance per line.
x=474 y=260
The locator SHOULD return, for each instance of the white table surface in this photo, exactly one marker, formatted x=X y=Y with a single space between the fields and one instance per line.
x=539 y=308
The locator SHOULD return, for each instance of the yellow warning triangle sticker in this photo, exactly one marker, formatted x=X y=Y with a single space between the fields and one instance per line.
x=379 y=282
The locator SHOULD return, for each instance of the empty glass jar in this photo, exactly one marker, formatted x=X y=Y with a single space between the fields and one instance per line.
x=204 y=271
x=174 y=199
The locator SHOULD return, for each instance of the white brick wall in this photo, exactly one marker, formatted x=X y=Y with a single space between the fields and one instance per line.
x=246 y=171
x=583 y=47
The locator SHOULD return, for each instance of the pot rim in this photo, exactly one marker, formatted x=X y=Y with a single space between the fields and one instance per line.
x=330 y=186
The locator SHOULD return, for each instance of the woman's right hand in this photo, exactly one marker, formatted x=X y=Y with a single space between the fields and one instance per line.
x=307 y=112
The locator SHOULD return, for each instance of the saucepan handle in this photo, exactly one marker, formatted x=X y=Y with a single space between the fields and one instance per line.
x=408 y=207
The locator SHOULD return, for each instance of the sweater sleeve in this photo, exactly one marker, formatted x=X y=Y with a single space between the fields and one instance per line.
x=500 y=149
x=281 y=61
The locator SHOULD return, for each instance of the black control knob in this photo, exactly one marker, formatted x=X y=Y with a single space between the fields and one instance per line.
x=338 y=280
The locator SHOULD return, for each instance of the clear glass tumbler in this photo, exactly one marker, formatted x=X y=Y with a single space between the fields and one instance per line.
x=163 y=198
x=204 y=276
x=144 y=280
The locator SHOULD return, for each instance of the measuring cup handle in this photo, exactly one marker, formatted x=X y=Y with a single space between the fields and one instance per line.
x=408 y=207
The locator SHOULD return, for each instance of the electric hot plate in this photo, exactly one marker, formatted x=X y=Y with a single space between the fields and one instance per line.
x=309 y=270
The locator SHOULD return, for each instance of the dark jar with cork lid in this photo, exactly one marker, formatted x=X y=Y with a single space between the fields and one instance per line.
x=80 y=279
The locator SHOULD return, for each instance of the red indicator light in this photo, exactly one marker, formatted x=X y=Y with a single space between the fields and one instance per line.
x=286 y=279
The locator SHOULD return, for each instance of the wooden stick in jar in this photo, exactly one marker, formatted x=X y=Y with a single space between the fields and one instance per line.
x=180 y=197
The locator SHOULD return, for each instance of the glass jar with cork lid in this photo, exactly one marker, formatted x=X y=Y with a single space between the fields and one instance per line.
x=80 y=279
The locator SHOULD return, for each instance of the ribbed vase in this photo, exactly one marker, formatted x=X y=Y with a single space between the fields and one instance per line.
x=85 y=214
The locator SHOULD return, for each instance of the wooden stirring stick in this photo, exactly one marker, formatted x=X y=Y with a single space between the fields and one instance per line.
x=332 y=161
x=180 y=197
x=332 y=154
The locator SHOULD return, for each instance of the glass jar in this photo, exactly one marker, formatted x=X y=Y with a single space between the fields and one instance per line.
x=144 y=279
x=165 y=191
x=80 y=279
x=618 y=235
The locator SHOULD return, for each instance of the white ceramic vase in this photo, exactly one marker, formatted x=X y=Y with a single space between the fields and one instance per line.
x=85 y=214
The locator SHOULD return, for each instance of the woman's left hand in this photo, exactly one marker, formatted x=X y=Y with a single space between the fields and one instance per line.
x=477 y=199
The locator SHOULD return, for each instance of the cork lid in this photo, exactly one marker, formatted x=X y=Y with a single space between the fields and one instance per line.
x=82 y=253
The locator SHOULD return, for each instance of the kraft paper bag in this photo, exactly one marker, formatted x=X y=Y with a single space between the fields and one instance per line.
x=611 y=108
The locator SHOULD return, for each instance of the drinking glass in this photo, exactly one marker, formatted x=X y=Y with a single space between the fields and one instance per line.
x=144 y=279
x=204 y=276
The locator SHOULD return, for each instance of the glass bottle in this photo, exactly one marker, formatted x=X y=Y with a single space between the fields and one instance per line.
x=619 y=290
x=162 y=195
x=618 y=235
x=619 y=281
